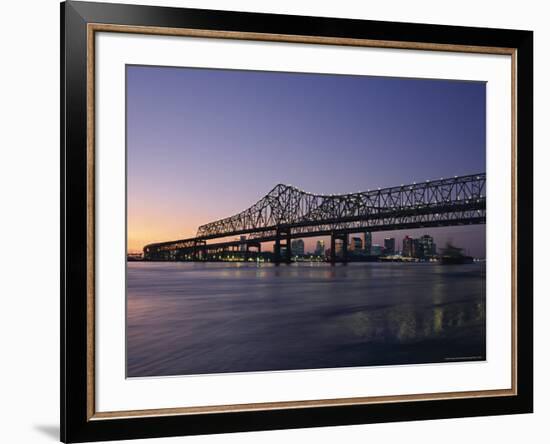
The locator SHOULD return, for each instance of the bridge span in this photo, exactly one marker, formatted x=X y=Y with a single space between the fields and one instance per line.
x=287 y=212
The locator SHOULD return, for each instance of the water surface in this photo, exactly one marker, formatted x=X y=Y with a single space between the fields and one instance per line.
x=195 y=318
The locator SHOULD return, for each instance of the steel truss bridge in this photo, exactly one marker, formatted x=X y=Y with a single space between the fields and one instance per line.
x=287 y=212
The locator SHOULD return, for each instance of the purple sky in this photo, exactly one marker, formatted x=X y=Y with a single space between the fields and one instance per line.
x=204 y=144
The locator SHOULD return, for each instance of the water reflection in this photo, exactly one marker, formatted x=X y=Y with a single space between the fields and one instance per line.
x=190 y=318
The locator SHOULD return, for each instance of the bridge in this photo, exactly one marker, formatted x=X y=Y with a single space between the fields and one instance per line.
x=287 y=212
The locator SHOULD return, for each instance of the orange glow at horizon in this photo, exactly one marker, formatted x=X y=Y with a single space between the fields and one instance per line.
x=142 y=231
x=155 y=224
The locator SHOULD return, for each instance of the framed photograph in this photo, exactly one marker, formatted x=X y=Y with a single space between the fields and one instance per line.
x=275 y=221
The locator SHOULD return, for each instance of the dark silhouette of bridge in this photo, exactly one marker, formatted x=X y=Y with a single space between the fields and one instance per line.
x=287 y=212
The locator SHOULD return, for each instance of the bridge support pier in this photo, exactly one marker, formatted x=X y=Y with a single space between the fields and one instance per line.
x=345 y=249
x=282 y=234
x=343 y=237
x=256 y=245
x=288 y=250
x=198 y=250
x=277 y=251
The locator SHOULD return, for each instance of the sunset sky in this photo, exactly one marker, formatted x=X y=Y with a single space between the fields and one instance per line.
x=205 y=144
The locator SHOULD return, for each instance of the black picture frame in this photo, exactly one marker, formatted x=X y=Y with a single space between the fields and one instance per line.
x=75 y=423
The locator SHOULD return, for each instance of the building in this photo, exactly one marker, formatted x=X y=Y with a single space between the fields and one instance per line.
x=423 y=247
x=389 y=246
x=368 y=242
x=320 y=248
x=297 y=247
x=408 y=246
x=356 y=244
x=338 y=248
x=242 y=247
x=426 y=246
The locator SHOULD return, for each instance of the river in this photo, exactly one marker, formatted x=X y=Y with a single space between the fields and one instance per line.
x=195 y=318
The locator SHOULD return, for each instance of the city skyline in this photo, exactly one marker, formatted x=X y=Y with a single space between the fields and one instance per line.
x=379 y=238
x=204 y=144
